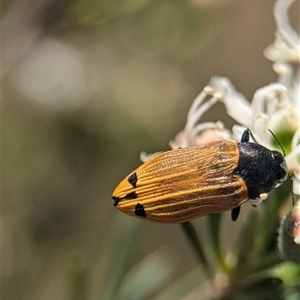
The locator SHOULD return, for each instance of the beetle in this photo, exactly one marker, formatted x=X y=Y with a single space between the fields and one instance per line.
x=186 y=183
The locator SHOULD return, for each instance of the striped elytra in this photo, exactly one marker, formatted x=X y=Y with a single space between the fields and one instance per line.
x=183 y=184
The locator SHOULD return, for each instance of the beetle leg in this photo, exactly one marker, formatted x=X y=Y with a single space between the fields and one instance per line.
x=259 y=199
x=245 y=136
x=235 y=213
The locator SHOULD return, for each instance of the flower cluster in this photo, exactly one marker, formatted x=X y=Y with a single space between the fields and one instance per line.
x=274 y=107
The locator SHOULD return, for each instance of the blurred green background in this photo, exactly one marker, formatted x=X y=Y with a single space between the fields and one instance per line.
x=87 y=86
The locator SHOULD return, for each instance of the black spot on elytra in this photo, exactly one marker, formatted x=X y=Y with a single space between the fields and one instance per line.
x=132 y=179
x=139 y=210
x=116 y=200
x=131 y=195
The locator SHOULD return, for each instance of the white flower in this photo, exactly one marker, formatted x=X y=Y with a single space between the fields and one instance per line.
x=275 y=107
x=287 y=43
x=196 y=134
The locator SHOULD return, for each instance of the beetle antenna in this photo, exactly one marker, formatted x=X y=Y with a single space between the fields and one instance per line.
x=274 y=136
x=253 y=138
x=290 y=176
x=292 y=189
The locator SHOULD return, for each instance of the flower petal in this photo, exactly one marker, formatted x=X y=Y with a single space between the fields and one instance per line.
x=237 y=106
x=287 y=43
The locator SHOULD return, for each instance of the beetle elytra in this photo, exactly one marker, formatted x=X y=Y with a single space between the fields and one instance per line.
x=186 y=183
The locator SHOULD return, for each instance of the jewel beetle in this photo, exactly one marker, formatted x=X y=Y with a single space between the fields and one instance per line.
x=186 y=183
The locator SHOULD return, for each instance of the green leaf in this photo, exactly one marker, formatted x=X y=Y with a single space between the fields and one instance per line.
x=194 y=241
x=115 y=260
x=184 y=285
x=148 y=276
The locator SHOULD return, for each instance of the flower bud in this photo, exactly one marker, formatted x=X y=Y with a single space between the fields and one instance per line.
x=289 y=235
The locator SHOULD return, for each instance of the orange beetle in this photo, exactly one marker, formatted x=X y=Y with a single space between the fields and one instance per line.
x=183 y=184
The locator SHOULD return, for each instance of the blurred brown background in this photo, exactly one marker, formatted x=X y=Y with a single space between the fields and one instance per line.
x=87 y=86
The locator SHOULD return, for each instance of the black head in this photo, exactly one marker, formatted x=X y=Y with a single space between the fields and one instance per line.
x=261 y=169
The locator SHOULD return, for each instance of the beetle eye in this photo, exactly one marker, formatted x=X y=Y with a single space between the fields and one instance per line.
x=283 y=165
